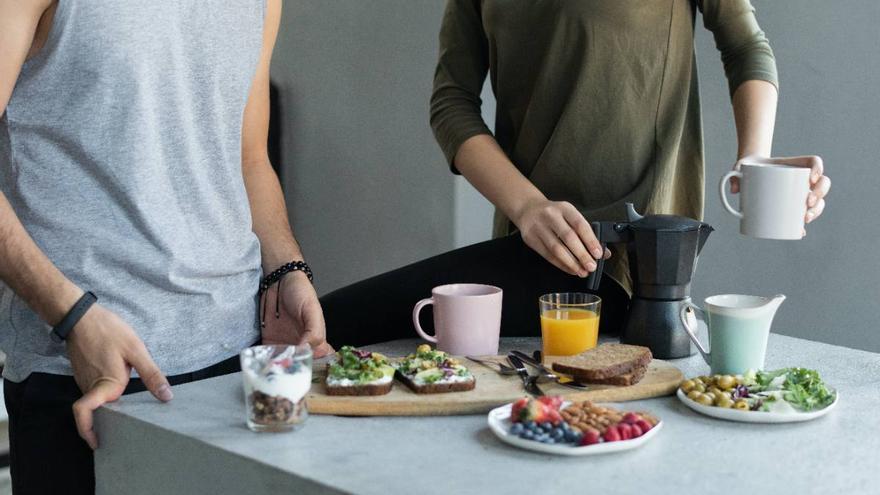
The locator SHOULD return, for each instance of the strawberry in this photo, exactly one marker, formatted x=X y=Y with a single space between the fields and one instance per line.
x=636 y=430
x=630 y=418
x=643 y=425
x=611 y=434
x=516 y=409
x=536 y=411
x=590 y=437
x=554 y=401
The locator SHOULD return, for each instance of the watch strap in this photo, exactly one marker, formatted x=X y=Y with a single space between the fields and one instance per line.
x=62 y=329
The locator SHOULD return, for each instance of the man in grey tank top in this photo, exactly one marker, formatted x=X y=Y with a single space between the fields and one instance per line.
x=133 y=167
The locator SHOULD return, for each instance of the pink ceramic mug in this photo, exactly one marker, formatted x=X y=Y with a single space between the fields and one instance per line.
x=467 y=319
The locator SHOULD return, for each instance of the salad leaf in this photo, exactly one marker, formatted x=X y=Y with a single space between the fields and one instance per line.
x=802 y=388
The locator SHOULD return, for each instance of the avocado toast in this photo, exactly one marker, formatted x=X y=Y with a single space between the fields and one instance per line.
x=357 y=372
x=429 y=371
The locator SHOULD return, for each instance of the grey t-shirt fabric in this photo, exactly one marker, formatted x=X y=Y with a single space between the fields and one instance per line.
x=120 y=151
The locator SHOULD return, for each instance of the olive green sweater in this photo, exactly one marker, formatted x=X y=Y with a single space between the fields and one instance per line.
x=597 y=100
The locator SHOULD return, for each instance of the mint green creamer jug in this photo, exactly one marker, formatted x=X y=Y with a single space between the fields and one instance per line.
x=739 y=327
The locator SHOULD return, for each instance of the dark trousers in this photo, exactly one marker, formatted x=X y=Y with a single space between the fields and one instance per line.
x=47 y=456
x=380 y=308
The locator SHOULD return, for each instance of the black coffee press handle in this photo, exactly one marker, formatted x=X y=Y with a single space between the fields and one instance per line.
x=595 y=278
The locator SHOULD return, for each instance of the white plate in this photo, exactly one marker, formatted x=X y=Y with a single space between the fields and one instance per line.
x=499 y=423
x=755 y=416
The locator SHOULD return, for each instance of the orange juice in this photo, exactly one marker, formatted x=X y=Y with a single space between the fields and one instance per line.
x=565 y=332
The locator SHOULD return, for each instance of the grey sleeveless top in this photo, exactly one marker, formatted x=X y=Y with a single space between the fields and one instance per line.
x=120 y=151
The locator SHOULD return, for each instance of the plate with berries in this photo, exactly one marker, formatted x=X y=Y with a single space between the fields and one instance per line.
x=553 y=426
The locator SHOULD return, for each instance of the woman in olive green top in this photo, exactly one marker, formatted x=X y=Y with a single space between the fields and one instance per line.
x=597 y=105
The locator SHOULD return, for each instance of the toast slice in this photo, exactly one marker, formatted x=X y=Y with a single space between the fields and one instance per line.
x=624 y=380
x=437 y=388
x=429 y=371
x=360 y=390
x=356 y=372
x=604 y=361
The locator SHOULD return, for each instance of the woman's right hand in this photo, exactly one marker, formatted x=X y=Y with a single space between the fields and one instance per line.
x=103 y=349
x=559 y=233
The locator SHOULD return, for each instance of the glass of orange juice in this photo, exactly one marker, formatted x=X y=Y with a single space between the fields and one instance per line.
x=569 y=322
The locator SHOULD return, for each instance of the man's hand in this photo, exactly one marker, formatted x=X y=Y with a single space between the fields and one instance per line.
x=820 y=184
x=559 y=233
x=301 y=320
x=103 y=349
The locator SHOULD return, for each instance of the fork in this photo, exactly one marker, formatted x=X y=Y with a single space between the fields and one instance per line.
x=501 y=368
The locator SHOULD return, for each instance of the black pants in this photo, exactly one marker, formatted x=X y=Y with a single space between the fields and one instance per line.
x=380 y=308
x=47 y=456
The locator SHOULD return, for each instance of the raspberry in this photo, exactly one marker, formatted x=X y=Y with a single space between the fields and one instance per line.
x=611 y=434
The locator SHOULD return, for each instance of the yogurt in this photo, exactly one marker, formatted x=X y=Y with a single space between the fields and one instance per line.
x=277 y=382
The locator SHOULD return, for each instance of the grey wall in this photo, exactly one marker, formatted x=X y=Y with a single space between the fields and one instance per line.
x=368 y=190
x=366 y=186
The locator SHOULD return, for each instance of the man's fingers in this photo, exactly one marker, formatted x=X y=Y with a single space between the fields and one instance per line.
x=150 y=374
x=103 y=391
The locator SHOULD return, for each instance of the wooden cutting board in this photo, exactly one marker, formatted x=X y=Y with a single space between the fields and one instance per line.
x=492 y=390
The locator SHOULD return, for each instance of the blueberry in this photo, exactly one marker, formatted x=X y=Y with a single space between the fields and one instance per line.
x=557 y=434
x=548 y=440
x=530 y=425
x=546 y=425
x=527 y=434
x=516 y=429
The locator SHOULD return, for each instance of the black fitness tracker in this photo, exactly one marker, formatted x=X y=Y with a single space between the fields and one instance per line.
x=62 y=330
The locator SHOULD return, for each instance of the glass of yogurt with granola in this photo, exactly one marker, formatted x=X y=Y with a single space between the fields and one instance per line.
x=277 y=379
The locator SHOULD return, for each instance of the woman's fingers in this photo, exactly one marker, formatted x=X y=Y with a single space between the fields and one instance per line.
x=551 y=249
x=819 y=191
x=814 y=212
x=571 y=242
x=581 y=226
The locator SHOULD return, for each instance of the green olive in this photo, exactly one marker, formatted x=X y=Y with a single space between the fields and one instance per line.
x=741 y=404
x=687 y=386
x=705 y=379
x=724 y=402
x=716 y=391
x=699 y=387
x=710 y=395
x=726 y=382
x=693 y=394
x=705 y=399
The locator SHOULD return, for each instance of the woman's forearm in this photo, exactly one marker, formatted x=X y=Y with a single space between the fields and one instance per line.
x=754 y=109
x=485 y=165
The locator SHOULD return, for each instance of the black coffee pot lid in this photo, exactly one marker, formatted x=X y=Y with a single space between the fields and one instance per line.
x=666 y=223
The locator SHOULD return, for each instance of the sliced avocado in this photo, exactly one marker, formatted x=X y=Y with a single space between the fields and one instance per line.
x=429 y=375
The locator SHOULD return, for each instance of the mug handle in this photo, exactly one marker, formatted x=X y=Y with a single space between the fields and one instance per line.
x=723 y=191
x=416 y=310
x=692 y=332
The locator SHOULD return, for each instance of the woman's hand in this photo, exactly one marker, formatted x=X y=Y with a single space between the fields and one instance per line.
x=820 y=184
x=559 y=233
x=300 y=320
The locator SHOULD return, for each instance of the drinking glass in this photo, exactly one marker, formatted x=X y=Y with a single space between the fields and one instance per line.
x=277 y=379
x=569 y=323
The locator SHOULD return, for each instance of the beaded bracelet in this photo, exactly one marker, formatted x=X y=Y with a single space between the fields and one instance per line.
x=275 y=278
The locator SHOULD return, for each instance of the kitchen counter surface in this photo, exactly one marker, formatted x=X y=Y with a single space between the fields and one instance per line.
x=199 y=444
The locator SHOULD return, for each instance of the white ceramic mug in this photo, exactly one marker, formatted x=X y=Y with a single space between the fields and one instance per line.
x=772 y=199
x=467 y=319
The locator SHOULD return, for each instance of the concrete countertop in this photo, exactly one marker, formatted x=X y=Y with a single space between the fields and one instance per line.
x=199 y=444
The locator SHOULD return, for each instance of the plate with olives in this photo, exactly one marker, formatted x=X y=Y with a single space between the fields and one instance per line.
x=734 y=398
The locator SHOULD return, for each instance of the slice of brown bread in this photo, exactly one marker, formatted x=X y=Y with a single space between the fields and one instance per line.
x=436 y=388
x=368 y=389
x=624 y=380
x=604 y=361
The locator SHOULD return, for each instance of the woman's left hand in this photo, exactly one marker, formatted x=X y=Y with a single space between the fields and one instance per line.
x=300 y=321
x=820 y=184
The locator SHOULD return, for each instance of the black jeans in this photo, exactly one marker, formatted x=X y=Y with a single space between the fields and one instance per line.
x=47 y=456
x=380 y=308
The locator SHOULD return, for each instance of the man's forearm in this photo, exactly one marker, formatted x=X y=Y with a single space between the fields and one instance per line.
x=269 y=213
x=29 y=273
x=754 y=109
